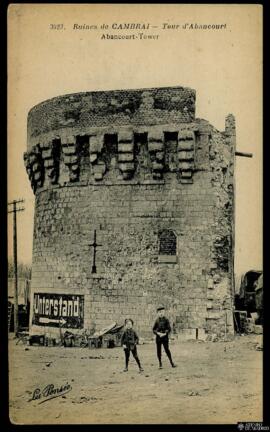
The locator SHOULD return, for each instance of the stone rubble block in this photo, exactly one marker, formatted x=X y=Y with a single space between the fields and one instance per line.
x=37 y=175
x=125 y=157
x=214 y=315
x=185 y=166
x=93 y=157
x=32 y=158
x=69 y=150
x=74 y=167
x=48 y=163
x=210 y=283
x=128 y=166
x=127 y=175
x=155 y=136
x=70 y=159
x=125 y=147
x=73 y=176
x=186 y=135
x=51 y=172
x=186 y=178
x=157 y=166
x=160 y=155
x=155 y=146
x=125 y=136
x=185 y=145
x=157 y=175
x=45 y=145
x=184 y=155
x=35 y=167
x=69 y=140
x=96 y=143
x=47 y=154
x=100 y=167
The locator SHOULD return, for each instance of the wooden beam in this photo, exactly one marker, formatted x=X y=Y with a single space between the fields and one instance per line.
x=237 y=153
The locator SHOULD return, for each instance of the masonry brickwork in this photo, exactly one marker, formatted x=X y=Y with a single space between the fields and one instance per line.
x=132 y=165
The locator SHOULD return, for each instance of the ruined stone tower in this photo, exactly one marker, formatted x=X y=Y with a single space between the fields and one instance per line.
x=157 y=186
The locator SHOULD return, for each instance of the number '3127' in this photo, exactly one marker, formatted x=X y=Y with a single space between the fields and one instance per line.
x=56 y=26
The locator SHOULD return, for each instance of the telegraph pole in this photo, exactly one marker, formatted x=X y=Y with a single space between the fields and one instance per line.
x=246 y=155
x=14 y=210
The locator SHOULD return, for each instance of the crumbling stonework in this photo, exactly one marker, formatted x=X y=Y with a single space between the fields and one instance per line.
x=140 y=169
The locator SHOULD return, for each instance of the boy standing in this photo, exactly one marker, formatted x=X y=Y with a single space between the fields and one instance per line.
x=129 y=341
x=162 y=329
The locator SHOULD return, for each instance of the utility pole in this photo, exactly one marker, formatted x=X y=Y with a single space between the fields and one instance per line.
x=14 y=210
x=247 y=155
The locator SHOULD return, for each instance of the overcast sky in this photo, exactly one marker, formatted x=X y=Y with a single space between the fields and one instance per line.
x=223 y=66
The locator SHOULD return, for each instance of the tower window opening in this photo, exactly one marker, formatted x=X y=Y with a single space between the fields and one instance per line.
x=167 y=243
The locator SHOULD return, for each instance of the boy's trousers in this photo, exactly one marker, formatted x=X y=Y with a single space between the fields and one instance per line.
x=134 y=353
x=165 y=342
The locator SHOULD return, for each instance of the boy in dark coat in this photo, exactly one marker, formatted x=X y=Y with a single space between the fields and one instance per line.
x=129 y=341
x=162 y=330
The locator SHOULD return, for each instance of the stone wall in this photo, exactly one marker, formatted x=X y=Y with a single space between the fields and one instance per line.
x=130 y=178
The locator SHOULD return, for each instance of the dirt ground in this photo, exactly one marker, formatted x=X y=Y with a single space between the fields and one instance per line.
x=214 y=383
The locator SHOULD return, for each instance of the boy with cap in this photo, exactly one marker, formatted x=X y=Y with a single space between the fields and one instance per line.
x=162 y=330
